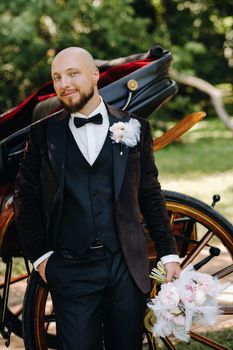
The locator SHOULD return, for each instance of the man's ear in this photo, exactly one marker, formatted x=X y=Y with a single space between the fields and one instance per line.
x=96 y=75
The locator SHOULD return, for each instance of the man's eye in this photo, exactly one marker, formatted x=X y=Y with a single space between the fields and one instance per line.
x=55 y=79
x=73 y=74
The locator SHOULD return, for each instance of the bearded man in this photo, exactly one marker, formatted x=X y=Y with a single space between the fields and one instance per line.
x=87 y=176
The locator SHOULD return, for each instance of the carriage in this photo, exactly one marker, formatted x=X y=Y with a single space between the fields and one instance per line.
x=139 y=84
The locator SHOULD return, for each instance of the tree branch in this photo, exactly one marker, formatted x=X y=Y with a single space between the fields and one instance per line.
x=214 y=93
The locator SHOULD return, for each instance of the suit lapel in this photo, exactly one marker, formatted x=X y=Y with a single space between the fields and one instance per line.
x=56 y=143
x=120 y=151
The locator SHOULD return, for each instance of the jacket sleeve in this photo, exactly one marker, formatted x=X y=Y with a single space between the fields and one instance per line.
x=152 y=201
x=27 y=200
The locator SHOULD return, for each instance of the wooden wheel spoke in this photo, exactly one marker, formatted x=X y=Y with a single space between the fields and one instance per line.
x=204 y=340
x=150 y=340
x=49 y=318
x=172 y=219
x=224 y=272
x=184 y=231
x=197 y=249
x=226 y=310
x=167 y=342
x=15 y=280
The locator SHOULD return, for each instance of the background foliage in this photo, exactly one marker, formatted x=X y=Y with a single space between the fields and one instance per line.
x=198 y=33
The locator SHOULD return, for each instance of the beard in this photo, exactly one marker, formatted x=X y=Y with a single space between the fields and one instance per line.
x=74 y=107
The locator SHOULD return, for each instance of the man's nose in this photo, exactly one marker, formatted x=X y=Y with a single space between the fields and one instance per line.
x=65 y=82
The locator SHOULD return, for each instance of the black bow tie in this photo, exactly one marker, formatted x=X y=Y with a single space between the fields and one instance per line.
x=96 y=119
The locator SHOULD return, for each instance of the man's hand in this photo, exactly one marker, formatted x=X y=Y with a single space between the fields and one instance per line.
x=41 y=269
x=173 y=270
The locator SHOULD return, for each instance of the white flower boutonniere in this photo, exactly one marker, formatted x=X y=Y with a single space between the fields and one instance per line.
x=126 y=133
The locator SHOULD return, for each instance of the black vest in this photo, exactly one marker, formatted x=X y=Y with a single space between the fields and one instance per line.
x=88 y=203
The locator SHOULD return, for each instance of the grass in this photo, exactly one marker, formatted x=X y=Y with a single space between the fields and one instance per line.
x=200 y=164
x=205 y=149
x=18 y=267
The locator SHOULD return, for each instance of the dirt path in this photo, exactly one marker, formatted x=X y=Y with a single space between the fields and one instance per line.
x=204 y=187
x=16 y=343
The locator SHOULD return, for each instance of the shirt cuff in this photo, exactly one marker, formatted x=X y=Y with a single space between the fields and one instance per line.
x=41 y=258
x=170 y=258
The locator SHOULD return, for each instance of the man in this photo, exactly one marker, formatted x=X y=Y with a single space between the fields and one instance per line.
x=78 y=203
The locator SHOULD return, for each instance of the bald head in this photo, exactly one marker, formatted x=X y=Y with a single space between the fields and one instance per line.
x=75 y=78
x=79 y=53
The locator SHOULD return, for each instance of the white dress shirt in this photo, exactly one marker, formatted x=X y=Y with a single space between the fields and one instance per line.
x=90 y=139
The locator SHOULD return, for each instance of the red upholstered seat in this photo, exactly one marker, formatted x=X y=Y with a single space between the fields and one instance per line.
x=20 y=116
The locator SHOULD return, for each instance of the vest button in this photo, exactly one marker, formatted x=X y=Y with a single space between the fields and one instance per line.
x=93 y=193
x=97 y=213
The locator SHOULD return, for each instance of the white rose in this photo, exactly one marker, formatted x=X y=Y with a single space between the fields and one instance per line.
x=200 y=297
x=127 y=133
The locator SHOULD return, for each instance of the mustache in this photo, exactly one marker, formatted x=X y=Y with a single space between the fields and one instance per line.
x=68 y=92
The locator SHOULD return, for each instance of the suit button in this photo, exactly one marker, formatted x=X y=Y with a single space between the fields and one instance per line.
x=97 y=213
x=94 y=193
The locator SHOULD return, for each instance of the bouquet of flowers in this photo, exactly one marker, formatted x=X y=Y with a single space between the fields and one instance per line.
x=190 y=299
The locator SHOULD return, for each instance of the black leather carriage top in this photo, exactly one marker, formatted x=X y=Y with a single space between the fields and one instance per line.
x=140 y=87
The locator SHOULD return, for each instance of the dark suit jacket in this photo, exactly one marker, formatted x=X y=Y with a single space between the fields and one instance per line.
x=39 y=194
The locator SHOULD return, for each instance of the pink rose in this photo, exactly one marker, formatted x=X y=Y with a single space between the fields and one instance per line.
x=186 y=296
x=169 y=296
x=206 y=282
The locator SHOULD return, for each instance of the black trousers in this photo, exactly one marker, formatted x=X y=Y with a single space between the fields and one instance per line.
x=97 y=304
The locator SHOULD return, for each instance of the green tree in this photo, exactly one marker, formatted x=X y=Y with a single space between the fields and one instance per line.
x=198 y=33
x=33 y=31
x=200 y=36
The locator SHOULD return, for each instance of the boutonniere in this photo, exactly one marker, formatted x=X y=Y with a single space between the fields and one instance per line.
x=127 y=133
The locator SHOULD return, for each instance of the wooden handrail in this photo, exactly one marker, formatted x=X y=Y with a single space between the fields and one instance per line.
x=178 y=130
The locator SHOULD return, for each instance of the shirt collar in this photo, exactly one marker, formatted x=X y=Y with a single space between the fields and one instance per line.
x=101 y=108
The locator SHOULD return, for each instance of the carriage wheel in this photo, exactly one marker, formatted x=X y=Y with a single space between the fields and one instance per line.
x=204 y=238
x=10 y=248
x=13 y=322
x=38 y=317
x=207 y=243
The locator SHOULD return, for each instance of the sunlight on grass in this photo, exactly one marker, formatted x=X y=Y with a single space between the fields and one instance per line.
x=207 y=148
x=18 y=267
x=200 y=164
